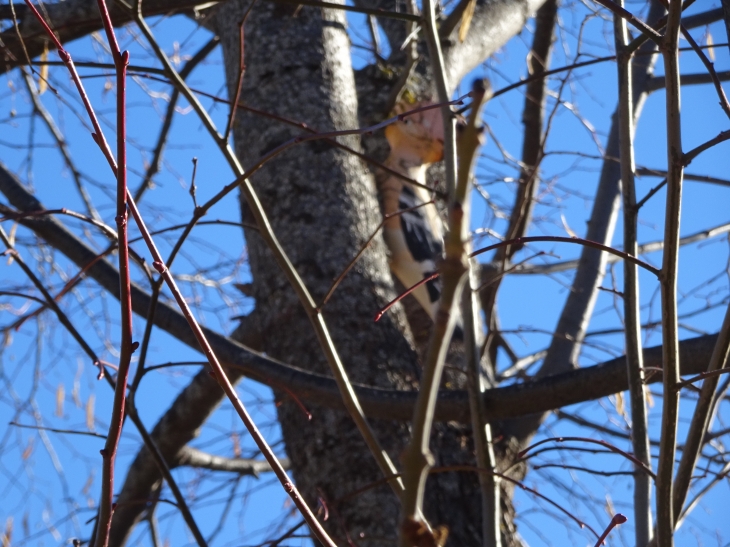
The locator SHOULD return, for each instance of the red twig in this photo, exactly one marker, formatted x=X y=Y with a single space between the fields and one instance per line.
x=352 y=263
x=159 y=265
x=297 y=401
x=577 y=240
x=109 y=452
x=617 y=519
x=605 y=444
x=9 y=215
x=241 y=71
x=402 y=295
x=100 y=140
x=523 y=240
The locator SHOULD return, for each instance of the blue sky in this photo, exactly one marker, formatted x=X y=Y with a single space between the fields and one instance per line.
x=39 y=357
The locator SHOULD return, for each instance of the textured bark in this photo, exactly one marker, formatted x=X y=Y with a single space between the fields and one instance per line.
x=494 y=22
x=322 y=206
x=512 y=401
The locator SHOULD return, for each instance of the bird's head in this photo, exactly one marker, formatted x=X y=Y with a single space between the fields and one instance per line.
x=418 y=137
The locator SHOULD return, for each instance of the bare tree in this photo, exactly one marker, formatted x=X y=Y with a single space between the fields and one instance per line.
x=299 y=130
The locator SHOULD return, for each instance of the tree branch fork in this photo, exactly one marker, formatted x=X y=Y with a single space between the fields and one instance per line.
x=511 y=401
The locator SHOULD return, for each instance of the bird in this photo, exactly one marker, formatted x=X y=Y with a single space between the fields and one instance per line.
x=414 y=237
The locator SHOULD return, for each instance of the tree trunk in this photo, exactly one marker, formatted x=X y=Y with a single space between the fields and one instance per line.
x=322 y=205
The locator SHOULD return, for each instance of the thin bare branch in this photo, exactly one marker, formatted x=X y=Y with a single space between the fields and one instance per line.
x=668 y=282
x=192 y=457
x=642 y=249
x=645 y=29
x=702 y=417
x=551 y=392
x=710 y=70
x=418 y=458
x=632 y=313
x=156 y=160
x=348 y=394
x=116 y=423
x=570 y=330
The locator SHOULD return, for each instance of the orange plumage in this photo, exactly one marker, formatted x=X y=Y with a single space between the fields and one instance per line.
x=414 y=238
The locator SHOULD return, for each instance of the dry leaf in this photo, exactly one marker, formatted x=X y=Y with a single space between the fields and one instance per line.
x=610 y=509
x=528 y=63
x=466 y=18
x=88 y=484
x=11 y=239
x=8 y=534
x=75 y=395
x=441 y=534
x=710 y=49
x=90 y=412
x=620 y=406
x=236 y=445
x=28 y=449
x=76 y=391
x=571 y=233
x=11 y=234
x=60 y=398
x=43 y=77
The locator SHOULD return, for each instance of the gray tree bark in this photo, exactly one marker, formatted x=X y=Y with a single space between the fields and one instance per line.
x=322 y=205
